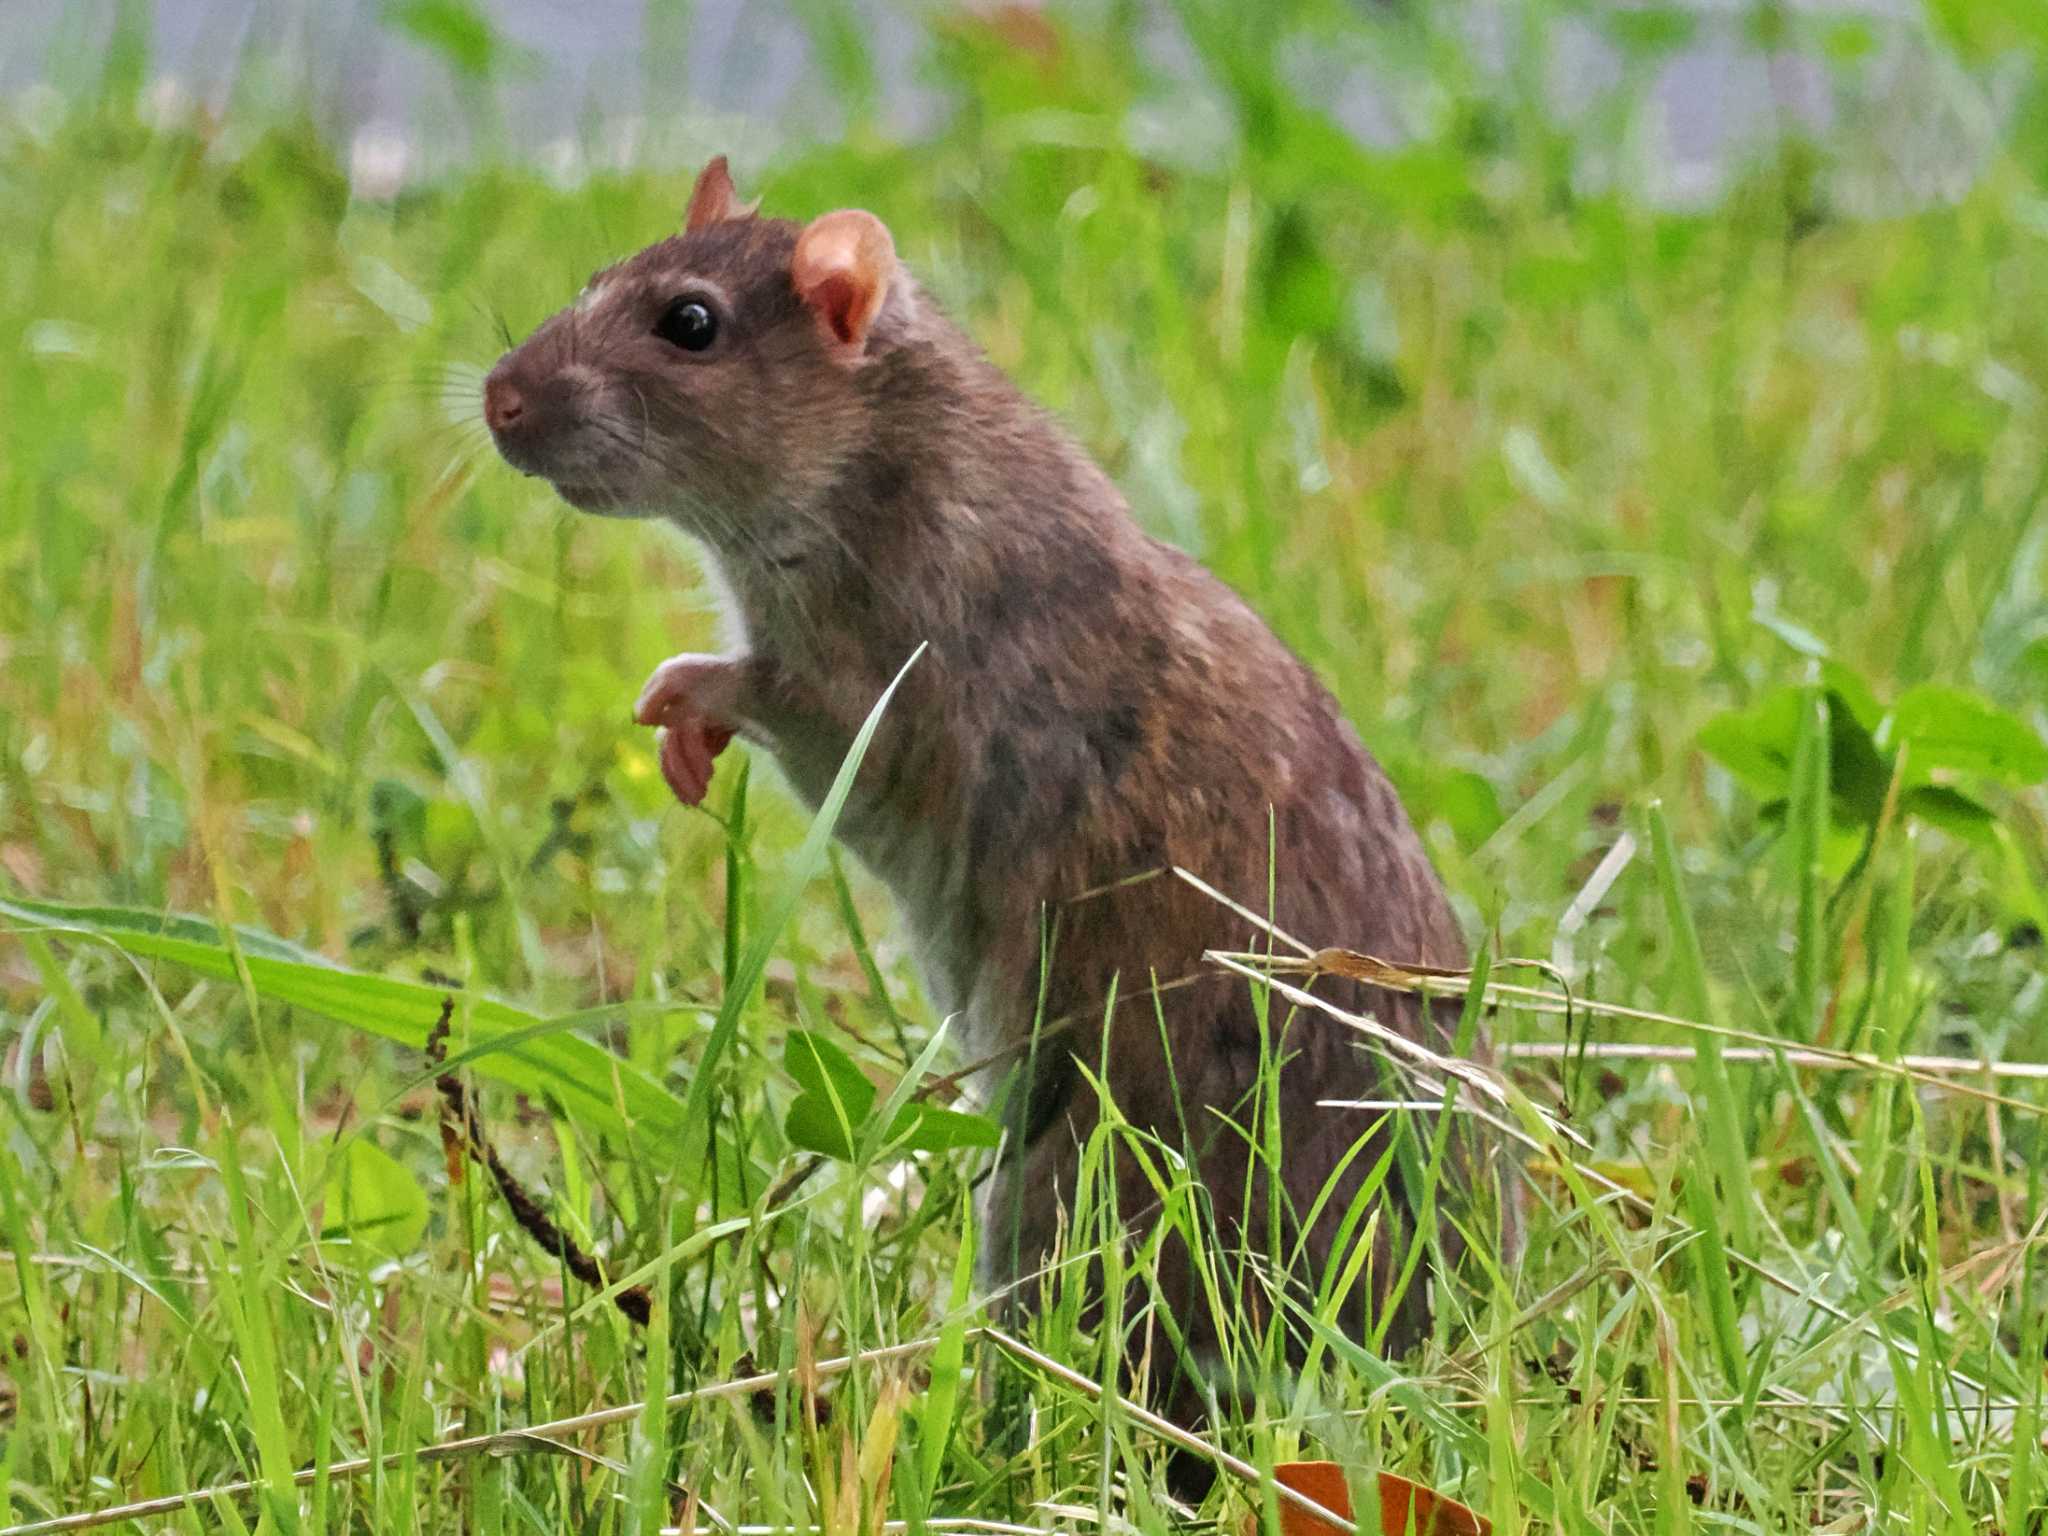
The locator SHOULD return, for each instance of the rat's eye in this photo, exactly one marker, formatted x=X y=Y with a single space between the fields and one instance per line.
x=689 y=324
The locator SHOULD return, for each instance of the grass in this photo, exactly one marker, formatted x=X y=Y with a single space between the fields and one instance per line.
x=1687 y=571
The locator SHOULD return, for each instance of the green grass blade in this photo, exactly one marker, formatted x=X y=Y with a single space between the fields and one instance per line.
x=1807 y=822
x=588 y=1081
x=1724 y=1113
x=936 y=1416
x=810 y=855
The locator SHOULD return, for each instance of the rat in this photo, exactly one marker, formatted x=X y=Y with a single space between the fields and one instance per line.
x=1091 y=707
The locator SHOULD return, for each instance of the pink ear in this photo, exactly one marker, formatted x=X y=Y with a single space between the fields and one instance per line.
x=712 y=200
x=842 y=269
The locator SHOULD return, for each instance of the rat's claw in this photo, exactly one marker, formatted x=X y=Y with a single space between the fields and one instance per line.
x=686 y=763
x=654 y=701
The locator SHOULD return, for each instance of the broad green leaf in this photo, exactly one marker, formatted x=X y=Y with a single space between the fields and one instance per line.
x=1849 y=688
x=1954 y=813
x=1858 y=774
x=117 y=923
x=1961 y=731
x=920 y=1127
x=1469 y=803
x=1756 y=745
x=833 y=1110
x=828 y=1115
x=539 y=1056
x=1464 y=800
x=373 y=1202
x=819 y=1065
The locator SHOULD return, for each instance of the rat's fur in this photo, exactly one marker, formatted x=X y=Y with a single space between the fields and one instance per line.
x=1093 y=706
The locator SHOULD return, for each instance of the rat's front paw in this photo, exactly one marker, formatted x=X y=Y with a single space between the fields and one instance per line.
x=693 y=699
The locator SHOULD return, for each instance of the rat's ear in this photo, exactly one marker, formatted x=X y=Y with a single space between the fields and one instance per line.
x=842 y=269
x=713 y=200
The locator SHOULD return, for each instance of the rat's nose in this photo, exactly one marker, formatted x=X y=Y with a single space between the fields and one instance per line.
x=504 y=406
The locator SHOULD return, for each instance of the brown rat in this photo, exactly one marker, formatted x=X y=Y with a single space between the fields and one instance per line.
x=1093 y=706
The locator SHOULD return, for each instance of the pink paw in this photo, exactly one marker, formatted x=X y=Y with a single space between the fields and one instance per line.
x=687 y=698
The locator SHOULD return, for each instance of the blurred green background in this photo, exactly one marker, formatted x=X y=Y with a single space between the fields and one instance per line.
x=1617 y=405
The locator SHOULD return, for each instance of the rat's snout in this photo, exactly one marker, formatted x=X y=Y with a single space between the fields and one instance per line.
x=540 y=412
x=504 y=405
x=525 y=412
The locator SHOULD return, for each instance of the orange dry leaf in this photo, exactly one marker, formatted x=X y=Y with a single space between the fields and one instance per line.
x=1406 y=1508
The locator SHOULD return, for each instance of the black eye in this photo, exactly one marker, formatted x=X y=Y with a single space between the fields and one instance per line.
x=689 y=324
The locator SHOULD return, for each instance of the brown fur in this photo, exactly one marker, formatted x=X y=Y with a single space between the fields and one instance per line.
x=1093 y=705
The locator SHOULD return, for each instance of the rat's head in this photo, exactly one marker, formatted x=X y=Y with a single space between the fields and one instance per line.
x=713 y=378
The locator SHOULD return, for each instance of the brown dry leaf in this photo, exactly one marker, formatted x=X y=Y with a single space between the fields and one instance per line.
x=1353 y=966
x=453 y=1162
x=1323 y=1481
x=839 y=1505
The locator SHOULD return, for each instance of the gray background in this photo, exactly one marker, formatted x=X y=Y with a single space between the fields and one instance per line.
x=609 y=81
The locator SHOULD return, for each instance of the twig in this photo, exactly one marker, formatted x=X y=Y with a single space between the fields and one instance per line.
x=1944 y=1067
x=460 y=1123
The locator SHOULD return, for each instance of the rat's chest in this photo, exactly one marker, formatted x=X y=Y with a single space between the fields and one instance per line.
x=906 y=830
x=932 y=887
